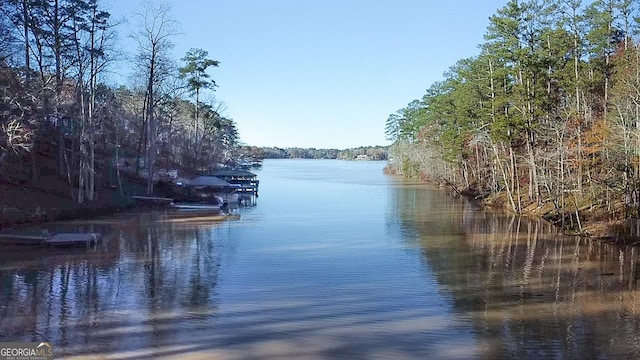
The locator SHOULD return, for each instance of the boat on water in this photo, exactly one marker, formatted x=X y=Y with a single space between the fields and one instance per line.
x=196 y=210
x=199 y=213
x=195 y=207
x=199 y=218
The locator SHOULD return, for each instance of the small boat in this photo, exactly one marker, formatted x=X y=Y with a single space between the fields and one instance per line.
x=199 y=218
x=199 y=214
x=195 y=207
x=194 y=210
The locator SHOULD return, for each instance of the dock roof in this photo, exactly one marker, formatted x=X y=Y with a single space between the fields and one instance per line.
x=233 y=172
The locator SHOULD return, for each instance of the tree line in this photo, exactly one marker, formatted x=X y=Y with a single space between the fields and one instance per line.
x=55 y=59
x=546 y=116
x=363 y=152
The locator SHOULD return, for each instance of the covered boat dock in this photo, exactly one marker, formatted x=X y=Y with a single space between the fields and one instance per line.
x=245 y=181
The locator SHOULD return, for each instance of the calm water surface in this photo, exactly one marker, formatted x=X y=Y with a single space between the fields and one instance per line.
x=336 y=260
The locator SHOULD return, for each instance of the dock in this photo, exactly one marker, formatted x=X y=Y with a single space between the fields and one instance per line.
x=61 y=239
x=243 y=180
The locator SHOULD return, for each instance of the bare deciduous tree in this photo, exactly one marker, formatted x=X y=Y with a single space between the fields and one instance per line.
x=154 y=38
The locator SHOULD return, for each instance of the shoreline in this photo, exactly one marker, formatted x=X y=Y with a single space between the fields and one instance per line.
x=25 y=206
x=587 y=225
x=594 y=224
x=49 y=207
x=17 y=219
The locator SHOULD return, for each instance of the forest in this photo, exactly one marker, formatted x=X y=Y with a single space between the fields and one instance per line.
x=61 y=119
x=545 y=120
x=362 y=152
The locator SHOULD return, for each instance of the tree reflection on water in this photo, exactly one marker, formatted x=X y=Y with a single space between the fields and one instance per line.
x=425 y=275
x=529 y=291
x=140 y=279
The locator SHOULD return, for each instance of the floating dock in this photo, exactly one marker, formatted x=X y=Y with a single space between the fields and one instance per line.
x=62 y=239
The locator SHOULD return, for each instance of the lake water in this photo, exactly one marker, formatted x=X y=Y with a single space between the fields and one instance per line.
x=335 y=260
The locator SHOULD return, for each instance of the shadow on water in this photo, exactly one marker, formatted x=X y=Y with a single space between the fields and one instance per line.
x=256 y=333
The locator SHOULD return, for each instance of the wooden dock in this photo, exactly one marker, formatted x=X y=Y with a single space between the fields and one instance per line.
x=61 y=239
x=243 y=180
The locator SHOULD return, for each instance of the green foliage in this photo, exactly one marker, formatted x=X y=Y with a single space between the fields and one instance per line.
x=360 y=153
x=57 y=51
x=547 y=108
x=406 y=123
x=195 y=70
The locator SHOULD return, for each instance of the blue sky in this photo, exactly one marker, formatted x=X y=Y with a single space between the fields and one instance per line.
x=322 y=73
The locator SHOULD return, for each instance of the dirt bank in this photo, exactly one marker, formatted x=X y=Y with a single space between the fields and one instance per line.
x=588 y=221
x=34 y=203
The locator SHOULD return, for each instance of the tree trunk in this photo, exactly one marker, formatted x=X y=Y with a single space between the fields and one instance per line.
x=505 y=178
x=151 y=131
